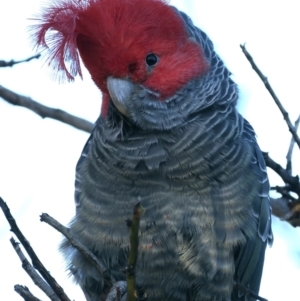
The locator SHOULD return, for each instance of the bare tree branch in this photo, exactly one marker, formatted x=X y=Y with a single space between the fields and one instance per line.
x=291 y=148
x=35 y=260
x=12 y=62
x=78 y=245
x=133 y=226
x=287 y=207
x=294 y=184
x=24 y=292
x=285 y=192
x=44 y=111
x=36 y=278
x=271 y=91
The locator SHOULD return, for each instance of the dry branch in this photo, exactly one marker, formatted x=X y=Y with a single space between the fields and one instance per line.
x=12 y=62
x=44 y=111
x=35 y=260
x=24 y=292
x=133 y=226
x=293 y=182
x=78 y=245
x=287 y=207
x=36 y=278
x=271 y=91
x=291 y=148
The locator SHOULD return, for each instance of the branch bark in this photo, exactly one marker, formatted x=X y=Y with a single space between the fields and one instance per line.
x=35 y=260
x=44 y=111
x=294 y=184
x=25 y=293
x=12 y=62
x=274 y=96
x=133 y=226
x=291 y=148
x=78 y=245
x=36 y=278
x=287 y=207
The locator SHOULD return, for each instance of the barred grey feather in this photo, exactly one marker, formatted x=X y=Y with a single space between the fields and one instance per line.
x=194 y=163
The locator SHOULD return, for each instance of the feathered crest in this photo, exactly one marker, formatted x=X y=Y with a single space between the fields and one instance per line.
x=56 y=35
x=108 y=33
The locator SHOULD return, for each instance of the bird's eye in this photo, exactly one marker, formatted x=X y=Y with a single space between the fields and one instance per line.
x=151 y=59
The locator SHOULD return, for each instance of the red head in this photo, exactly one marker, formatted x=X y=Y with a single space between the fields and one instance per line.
x=114 y=37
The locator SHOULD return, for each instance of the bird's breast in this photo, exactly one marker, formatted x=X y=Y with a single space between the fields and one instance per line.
x=183 y=180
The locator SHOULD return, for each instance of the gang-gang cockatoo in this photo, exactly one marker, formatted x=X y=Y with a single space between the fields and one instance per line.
x=170 y=136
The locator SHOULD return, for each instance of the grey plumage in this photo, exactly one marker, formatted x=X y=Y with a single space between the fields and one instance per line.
x=194 y=162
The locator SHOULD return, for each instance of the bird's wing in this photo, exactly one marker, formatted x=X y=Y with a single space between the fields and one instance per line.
x=249 y=258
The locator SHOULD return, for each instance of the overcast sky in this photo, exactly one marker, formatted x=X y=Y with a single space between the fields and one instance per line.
x=38 y=157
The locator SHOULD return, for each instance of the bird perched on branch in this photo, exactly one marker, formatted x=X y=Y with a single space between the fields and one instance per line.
x=168 y=134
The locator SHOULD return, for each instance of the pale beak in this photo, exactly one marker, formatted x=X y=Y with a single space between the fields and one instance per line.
x=120 y=91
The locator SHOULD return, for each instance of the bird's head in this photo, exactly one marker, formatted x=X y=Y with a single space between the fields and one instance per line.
x=138 y=52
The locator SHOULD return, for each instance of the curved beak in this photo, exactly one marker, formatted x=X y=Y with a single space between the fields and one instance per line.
x=120 y=91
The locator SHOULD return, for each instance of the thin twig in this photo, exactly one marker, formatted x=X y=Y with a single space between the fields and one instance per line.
x=285 y=192
x=291 y=148
x=36 y=278
x=12 y=62
x=24 y=292
x=271 y=91
x=78 y=245
x=294 y=184
x=44 y=111
x=35 y=260
x=133 y=253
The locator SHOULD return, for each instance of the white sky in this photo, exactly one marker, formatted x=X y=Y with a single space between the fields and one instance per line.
x=38 y=157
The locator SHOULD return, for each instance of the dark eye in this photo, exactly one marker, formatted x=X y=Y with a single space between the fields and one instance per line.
x=151 y=59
